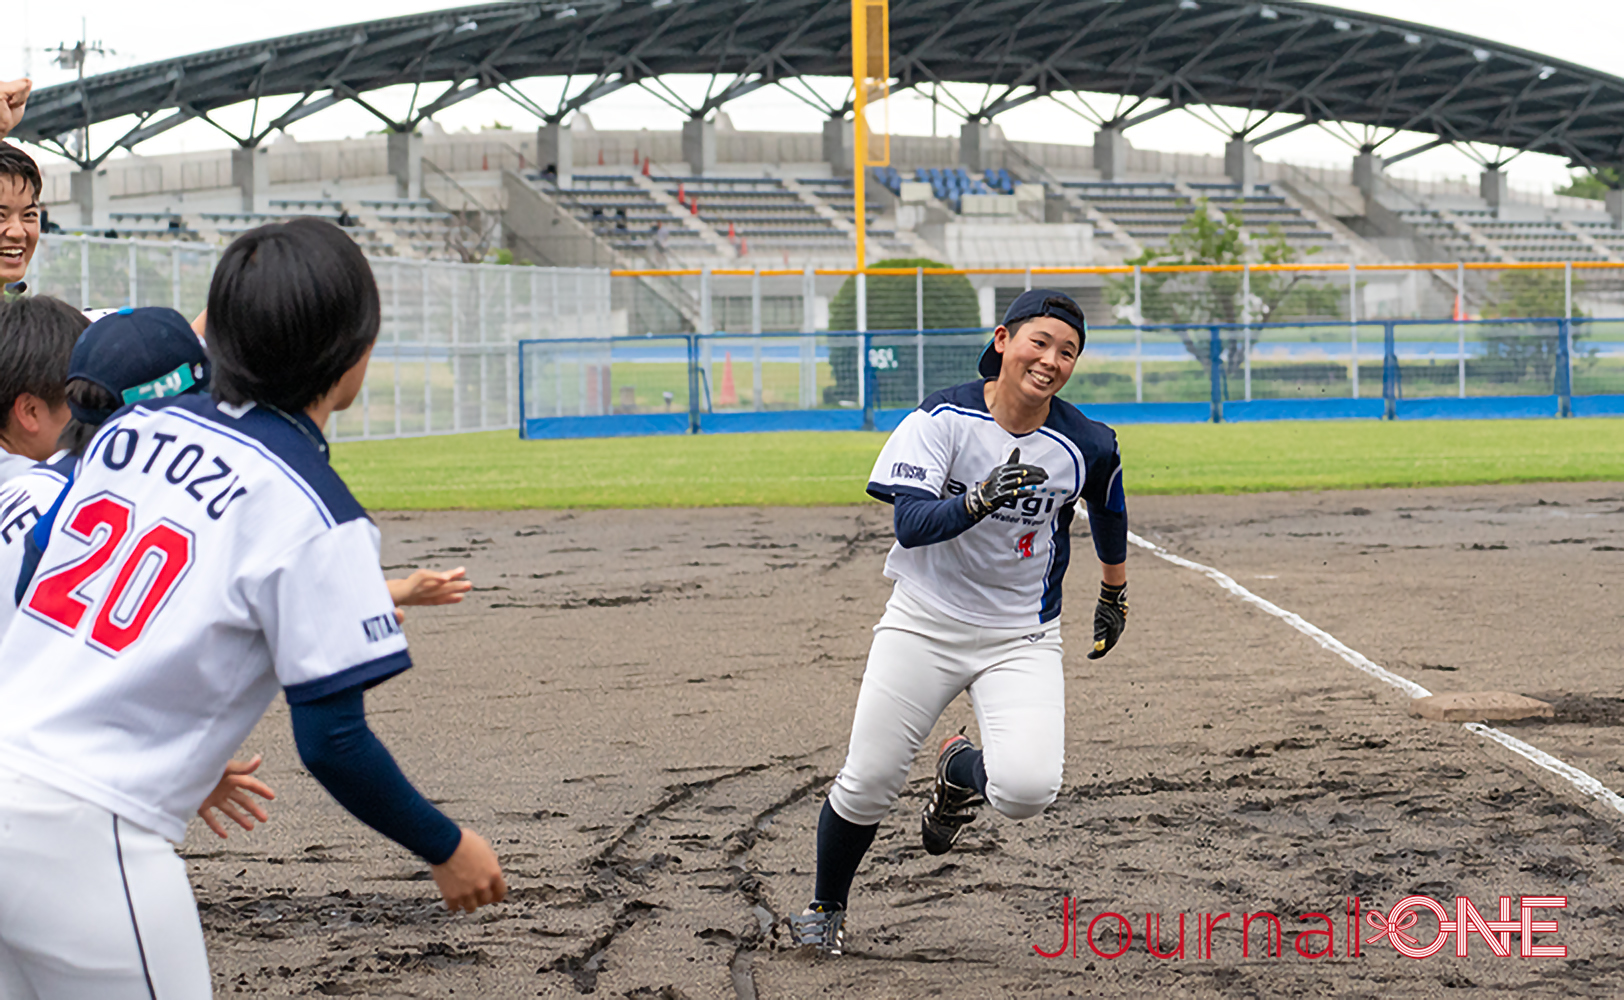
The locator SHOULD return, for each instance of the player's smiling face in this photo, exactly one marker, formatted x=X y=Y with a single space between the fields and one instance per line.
x=19 y=227
x=1038 y=357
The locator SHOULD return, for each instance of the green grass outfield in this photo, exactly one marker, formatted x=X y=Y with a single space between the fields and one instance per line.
x=496 y=470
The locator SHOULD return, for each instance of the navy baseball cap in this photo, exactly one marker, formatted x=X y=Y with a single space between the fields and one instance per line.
x=138 y=354
x=1030 y=303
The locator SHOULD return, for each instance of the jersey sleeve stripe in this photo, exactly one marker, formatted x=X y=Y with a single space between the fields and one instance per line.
x=361 y=675
x=888 y=493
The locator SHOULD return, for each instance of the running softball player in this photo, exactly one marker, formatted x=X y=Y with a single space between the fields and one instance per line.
x=984 y=478
x=204 y=556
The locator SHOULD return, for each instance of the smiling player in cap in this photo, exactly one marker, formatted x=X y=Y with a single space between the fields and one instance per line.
x=985 y=478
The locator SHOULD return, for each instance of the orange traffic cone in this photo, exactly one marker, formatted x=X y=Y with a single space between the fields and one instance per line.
x=645 y=166
x=693 y=206
x=1460 y=309
x=731 y=235
x=682 y=195
x=600 y=157
x=485 y=162
x=728 y=396
x=744 y=247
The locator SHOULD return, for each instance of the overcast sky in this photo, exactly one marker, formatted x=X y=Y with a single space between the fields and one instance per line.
x=1588 y=32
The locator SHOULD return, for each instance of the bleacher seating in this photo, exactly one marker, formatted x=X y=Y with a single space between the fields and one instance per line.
x=1148 y=211
x=1605 y=233
x=951 y=184
x=151 y=225
x=1535 y=241
x=839 y=195
x=1262 y=208
x=324 y=207
x=760 y=211
x=1433 y=227
x=615 y=208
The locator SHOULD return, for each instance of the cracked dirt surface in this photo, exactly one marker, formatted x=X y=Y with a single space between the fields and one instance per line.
x=642 y=710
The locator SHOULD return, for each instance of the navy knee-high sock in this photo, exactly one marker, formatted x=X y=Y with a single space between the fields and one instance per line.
x=968 y=770
x=841 y=846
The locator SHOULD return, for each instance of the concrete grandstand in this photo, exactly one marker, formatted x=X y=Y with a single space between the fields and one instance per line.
x=710 y=195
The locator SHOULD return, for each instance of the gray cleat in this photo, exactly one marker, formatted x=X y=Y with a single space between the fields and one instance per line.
x=821 y=926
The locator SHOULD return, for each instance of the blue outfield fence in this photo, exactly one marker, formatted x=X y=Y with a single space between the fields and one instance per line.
x=869 y=380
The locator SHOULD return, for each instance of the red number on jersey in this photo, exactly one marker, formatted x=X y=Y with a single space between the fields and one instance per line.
x=54 y=598
x=171 y=550
x=152 y=568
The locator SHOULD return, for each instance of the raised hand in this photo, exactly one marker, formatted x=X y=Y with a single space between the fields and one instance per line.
x=13 y=102
x=1003 y=485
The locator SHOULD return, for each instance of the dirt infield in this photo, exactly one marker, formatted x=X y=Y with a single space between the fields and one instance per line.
x=643 y=710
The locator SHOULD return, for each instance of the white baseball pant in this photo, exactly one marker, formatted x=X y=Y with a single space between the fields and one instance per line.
x=92 y=907
x=921 y=660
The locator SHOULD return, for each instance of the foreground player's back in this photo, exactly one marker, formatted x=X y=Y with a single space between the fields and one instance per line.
x=204 y=556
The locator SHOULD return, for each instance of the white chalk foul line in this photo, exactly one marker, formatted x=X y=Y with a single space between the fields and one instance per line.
x=1584 y=783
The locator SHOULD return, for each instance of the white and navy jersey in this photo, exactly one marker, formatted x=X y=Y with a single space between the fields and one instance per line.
x=23 y=501
x=12 y=465
x=1006 y=570
x=204 y=556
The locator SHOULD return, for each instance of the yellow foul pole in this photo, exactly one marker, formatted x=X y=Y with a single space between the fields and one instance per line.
x=859 y=125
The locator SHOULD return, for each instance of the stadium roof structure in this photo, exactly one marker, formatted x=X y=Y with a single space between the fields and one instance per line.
x=1323 y=63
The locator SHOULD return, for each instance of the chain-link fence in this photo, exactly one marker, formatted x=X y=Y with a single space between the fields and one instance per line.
x=870 y=379
x=445 y=360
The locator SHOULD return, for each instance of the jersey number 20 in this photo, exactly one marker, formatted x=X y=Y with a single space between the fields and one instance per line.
x=143 y=581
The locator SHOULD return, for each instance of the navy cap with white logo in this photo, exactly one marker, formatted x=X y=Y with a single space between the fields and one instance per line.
x=138 y=354
x=1030 y=303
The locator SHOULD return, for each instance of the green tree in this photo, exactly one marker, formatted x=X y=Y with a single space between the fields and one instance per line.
x=1542 y=293
x=950 y=299
x=1591 y=183
x=1216 y=296
x=950 y=304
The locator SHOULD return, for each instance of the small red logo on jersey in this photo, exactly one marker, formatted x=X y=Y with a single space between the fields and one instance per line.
x=1023 y=544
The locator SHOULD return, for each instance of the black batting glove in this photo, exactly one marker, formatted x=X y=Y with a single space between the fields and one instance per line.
x=1004 y=485
x=1110 y=618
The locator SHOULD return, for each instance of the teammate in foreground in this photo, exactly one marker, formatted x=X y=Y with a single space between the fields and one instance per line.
x=36 y=341
x=984 y=478
x=124 y=358
x=204 y=556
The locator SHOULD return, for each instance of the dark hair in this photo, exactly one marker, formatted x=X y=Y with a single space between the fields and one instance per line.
x=36 y=345
x=16 y=163
x=1071 y=316
x=292 y=307
x=87 y=396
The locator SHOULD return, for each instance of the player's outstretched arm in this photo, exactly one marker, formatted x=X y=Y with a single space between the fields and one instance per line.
x=429 y=586
x=342 y=753
x=232 y=800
